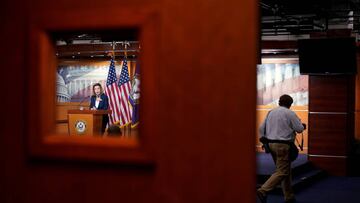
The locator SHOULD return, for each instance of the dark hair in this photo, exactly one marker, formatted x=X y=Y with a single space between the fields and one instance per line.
x=97 y=84
x=285 y=101
x=114 y=130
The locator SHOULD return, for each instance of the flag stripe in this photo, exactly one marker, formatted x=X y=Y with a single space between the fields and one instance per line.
x=117 y=103
x=125 y=101
x=113 y=92
x=113 y=103
x=126 y=106
x=125 y=88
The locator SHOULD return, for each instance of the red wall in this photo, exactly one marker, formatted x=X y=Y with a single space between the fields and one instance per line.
x=205 y=127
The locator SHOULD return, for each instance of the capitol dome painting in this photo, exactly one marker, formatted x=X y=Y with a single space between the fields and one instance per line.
x=62 y=91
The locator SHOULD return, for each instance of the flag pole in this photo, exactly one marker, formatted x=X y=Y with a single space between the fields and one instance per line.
x=126 y=44
x=113 y=50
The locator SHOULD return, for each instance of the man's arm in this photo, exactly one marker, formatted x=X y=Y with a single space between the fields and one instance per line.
x=296 y=123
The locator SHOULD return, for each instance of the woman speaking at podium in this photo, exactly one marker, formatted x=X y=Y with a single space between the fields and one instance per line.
x=99 y=101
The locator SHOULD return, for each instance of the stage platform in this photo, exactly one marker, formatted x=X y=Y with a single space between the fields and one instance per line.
x=303 y=171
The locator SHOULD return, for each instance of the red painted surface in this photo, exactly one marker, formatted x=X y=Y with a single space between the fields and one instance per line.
x=204 y=132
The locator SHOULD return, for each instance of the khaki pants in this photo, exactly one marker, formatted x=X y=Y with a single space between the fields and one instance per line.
x=282 y=174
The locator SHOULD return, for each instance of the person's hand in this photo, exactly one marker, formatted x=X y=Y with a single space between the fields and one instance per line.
x=304 y=125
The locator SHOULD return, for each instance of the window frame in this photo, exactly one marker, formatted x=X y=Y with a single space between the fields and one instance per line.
x=40 y=105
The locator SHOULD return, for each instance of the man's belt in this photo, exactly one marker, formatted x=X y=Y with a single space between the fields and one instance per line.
x=280 y=141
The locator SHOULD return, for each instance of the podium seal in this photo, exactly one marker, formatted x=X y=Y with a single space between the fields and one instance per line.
x=80 y=126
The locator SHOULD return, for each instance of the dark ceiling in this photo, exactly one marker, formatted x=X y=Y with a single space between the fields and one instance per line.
x=129 y=34
x=296 y=17
x=278 y=17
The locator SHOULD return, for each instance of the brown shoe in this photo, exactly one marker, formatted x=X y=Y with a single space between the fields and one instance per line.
x=261 y=197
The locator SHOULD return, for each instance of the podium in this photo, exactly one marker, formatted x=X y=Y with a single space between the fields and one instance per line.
x=86 y=122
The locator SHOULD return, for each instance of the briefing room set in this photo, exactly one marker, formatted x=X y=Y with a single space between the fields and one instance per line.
x=184 y=87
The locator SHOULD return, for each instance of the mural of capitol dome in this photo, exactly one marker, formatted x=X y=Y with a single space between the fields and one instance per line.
x=62 y=91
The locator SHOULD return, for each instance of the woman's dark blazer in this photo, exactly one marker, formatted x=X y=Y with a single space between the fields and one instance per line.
x=103 y=105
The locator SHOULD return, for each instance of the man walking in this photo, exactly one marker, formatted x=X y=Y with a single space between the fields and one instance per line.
x=279 y=128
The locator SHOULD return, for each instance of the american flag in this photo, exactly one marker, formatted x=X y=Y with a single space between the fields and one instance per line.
x=125 y=88
x=112 y=90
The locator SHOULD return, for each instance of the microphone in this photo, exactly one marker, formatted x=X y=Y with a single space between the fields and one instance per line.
x=82 y=100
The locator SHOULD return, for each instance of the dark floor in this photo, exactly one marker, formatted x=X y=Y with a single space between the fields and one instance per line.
x=327 y=190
